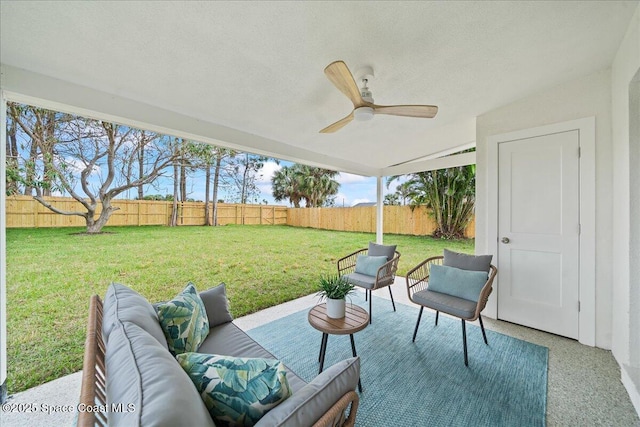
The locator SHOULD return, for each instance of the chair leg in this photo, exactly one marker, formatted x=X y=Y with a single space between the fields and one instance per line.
x=366 y=294
x=484 y=335
x=417 y=324
x=392 y=303
x=464 y=342
x=370 y=312
x=437 y=314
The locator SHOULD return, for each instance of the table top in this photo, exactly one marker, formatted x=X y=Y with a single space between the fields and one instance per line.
x=356 y=319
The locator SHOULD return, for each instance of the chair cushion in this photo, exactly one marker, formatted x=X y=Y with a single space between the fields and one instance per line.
x=369 y=265
x=459 y=283
x=123 y=304
x=311 y=402
x=377 y=250
x=142 y=373
x=361 y=280
x=217 y=305
x=455 y=306
x=184 y=321
x=467 y=262
x=237 y=391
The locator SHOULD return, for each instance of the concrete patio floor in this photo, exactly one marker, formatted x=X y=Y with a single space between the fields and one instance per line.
x=584 y=387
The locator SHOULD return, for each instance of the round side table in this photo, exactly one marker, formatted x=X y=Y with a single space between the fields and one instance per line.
x=356 y=319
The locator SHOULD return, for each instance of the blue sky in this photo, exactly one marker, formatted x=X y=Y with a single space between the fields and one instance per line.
x=353 y=188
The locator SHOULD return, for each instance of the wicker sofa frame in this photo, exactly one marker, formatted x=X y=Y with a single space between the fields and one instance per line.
x=94 y=381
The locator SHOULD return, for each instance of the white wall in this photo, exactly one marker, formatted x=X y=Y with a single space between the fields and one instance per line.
x=625 y=79
x=586 y=97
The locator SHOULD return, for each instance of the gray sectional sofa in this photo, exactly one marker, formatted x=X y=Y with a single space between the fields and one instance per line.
x=130 y=378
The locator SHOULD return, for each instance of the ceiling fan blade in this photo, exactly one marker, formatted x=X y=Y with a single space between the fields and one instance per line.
x=338 y=125
x=338 y=73
x=426 y=111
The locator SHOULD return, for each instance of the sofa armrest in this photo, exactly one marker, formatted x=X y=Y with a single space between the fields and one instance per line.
x=93 y=390
x=321 y=402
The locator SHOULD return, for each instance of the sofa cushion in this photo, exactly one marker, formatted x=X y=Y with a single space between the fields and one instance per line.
x=369 y=265
x=377 y=250
x=237 y=391
x=217 y=305
x=311 y=402
x=143 y=373
x=459 y=283
x=230 y=340
x=467 y=262
x=184 y=321
x=123 y=304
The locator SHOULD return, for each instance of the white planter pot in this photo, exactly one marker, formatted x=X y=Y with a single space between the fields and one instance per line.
x=335 y=308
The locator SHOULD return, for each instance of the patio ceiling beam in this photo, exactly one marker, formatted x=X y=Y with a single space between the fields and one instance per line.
x=432 y=164
x=28 y=87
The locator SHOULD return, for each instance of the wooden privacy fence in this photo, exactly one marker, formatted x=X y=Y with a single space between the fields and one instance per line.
x=396 y=220
x=24 y=211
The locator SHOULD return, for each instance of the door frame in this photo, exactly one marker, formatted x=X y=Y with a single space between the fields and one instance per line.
x=587 y=246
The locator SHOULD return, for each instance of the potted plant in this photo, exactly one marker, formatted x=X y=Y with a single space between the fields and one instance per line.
x=335 y=289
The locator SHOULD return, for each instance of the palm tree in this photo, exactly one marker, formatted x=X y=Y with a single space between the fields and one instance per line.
x=318 y=185
x=449 y=193
x=392 y=199
x=299 y=182
x=285 y=184
x=404 y=192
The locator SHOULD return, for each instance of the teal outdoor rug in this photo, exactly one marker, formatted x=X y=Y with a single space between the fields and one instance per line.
x=423 y=383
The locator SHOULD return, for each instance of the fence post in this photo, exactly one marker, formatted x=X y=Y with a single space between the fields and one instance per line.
x=35 y=213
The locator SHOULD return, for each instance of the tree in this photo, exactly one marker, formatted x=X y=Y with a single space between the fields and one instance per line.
x=404 y=192
x=92 y=161
x=449 y=193
x=391 y=199
x=318 y=185
x=209 y=158
x=13 y=178
x=176 y=147
x=245 y=169
x=40 y=131
x=285 y=184
x=222 y=154
x=315 y=186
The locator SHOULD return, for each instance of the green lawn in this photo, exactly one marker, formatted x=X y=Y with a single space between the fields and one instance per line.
x=52 y=272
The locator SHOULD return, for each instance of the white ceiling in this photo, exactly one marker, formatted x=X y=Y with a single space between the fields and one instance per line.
x=257 y=67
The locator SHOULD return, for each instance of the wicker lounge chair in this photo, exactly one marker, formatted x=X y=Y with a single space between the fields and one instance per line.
x=465 y=309
x=381 y=277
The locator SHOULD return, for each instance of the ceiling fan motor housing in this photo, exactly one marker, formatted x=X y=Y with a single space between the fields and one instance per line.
x=363 y=114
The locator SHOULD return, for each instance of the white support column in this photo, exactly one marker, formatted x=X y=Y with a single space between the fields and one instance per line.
x=379 y=210
x=3 y=248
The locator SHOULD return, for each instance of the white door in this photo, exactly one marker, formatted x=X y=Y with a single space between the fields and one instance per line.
x=538 y=232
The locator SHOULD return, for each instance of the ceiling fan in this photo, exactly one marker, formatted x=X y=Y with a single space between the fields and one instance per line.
x=363 y=107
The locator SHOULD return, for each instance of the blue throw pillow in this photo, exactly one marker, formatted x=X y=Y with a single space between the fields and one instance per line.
x=459 y=283
x=369 y=265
